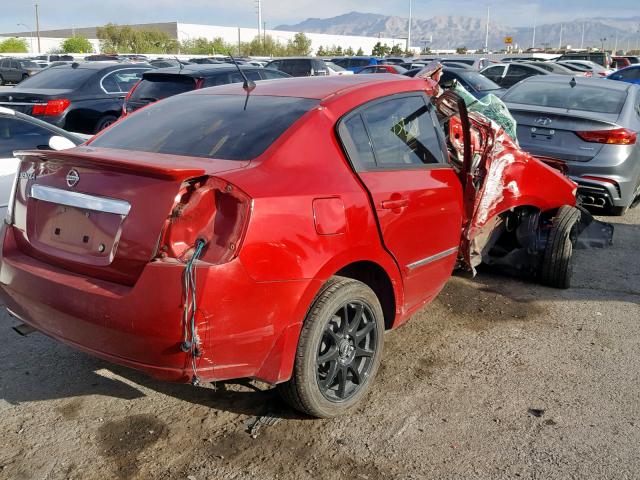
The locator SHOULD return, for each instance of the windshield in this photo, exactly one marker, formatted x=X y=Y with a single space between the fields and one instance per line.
x=211 y=126
x=334 y=67
x=478 y=82
x=158 y=86
x=561 y=95
x=58 y=78
x=28 y=64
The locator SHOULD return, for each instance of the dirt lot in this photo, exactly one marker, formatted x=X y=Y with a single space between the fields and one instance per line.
x=498 y=378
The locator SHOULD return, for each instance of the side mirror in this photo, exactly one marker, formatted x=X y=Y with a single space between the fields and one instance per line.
x=60 y=143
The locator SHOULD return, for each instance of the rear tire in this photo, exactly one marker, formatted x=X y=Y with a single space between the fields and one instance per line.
x=557 y=265
x=104 y=122
x=339 y=350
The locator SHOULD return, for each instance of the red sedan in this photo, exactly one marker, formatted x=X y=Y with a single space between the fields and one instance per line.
x=274 y=233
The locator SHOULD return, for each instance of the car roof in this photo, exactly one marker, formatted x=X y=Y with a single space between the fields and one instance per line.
x=590 y=81
x=101 y=65
x=197 y=70
x=319 y=88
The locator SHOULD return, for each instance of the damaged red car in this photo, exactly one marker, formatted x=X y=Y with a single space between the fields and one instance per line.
x=275 y=233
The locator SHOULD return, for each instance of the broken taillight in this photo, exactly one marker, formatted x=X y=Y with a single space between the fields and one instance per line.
x=208 y=209
x=618 y=136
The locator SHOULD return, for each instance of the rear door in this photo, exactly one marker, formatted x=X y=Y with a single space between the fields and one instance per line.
x=516 y=73
x=398 y=152
x=495 y=73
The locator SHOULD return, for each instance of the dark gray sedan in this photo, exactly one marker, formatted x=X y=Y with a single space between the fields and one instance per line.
x=590 y=124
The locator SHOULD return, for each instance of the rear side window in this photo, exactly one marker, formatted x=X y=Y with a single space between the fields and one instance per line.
x=121 y=81
x=400 y=131
x=64 y=78
x=268 y=74
x=18 y=134
x=157 y=87
x=210 y=126
x=561 y=95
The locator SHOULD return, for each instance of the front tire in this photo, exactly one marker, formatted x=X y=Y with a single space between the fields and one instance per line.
x=557 y=265
x=339 y=350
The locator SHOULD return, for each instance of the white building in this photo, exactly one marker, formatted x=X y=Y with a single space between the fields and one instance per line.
x=52 y=39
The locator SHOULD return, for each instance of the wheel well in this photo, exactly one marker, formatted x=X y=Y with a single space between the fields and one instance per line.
x=374 y=276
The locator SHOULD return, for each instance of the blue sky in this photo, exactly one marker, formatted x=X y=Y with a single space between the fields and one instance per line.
x=67 y=13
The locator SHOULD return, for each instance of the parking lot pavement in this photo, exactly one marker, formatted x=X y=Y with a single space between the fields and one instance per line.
x=498 y=378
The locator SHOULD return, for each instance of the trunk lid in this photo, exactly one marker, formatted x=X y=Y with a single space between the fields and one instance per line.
x=22 y=100
x=552 y=132
x=100 y=212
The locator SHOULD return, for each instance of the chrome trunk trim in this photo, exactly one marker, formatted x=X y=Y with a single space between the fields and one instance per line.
x=80 y=200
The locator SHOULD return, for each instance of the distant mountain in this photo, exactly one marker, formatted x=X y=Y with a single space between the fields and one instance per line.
x=457 y=31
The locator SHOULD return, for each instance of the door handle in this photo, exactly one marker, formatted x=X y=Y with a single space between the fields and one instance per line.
x=394 y=204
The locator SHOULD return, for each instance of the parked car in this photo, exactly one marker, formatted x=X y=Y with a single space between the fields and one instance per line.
x=383 y=68
x=475 y=63
x=577 y=69
x=508 y=74
x=300 y=66
x=166 y=82
x=15 y=70
x=588 y=66
x=629 y=74
x=22 y=132
x=633 y=60
x=601 y=58
x=393 y=60
x=167 y=62
x=551 y=67
x=54 y=57
x=355 y=63
x=476 y=84
x=308 y=197
x=336 y=69
x=620 y=62
x=589 y=124
x=84 y=98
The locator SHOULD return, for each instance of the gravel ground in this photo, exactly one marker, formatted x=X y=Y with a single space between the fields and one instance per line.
x=498 y=378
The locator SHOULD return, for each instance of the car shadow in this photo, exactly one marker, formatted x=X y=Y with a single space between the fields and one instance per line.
x=37 y=368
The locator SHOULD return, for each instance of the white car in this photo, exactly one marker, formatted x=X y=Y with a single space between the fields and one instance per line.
x=336 y=69
x=22 y=132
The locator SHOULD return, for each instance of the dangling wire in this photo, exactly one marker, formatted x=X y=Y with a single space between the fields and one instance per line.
x=190 y=340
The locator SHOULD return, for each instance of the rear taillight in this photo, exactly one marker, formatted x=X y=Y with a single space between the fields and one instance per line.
x=618 y=136
x=588 y=74
x=209 y=209
x=602 y=74
x=125 y=109
x=8 y=219
x=52 y=108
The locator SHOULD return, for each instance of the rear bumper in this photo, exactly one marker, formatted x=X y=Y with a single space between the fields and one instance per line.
x=244 y=326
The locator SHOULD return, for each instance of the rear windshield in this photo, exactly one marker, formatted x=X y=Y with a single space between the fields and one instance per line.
x=28 y=64
x=156 y=87
x=478 y=81
x=561 y=95
x=213 y=126
x=58 y=78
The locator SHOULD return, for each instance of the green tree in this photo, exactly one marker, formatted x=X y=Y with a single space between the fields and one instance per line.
x=349 y=52
x=426 y=50
x=360 y=52
x=124 y=39
x=380 y=50
x=77 y=45
x=14 y=45
x=321 y=52
x=396 y=50
x=461 y=50
x=300 y=45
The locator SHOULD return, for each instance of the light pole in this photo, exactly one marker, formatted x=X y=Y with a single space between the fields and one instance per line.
x=409 y=29
x=30 y=33
x=486 y=38
x=259 y=7
x=38 y=25
x=602 y=40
